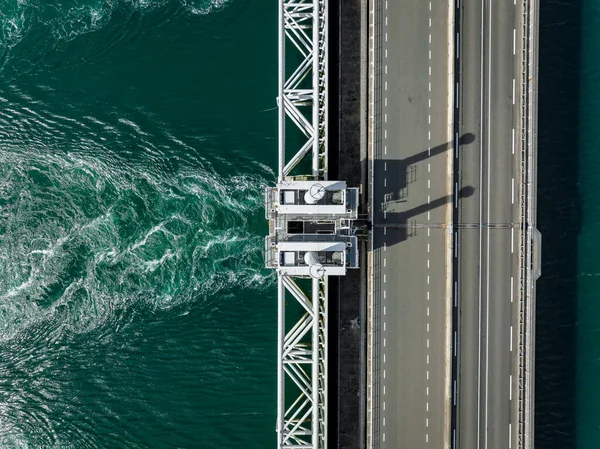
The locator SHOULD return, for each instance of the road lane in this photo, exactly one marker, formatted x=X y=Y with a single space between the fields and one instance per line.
x=410 y=204
x=488 y=264
x=470 y=172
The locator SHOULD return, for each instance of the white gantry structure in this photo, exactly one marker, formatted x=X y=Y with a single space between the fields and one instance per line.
x=310 y=226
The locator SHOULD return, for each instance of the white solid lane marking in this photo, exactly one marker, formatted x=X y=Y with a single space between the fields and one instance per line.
x=512 y=194
x=455 y=293
x=456 y=194
x=512 y=281
x=484 y=387
x=512 y=240
x=455 y=392
x=455 y=338
x=513 y=91
x=455 y=247
x=513 y=141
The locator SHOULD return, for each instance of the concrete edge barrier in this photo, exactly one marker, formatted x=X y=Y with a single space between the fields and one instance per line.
x=448 y=312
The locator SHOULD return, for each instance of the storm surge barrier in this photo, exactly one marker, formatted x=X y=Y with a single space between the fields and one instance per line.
x=311 y=230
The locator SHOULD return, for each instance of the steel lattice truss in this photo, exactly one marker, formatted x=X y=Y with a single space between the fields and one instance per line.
x=303 y=29
x=302 y=326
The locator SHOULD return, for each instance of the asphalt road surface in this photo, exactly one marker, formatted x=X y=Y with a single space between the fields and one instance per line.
x=489 y=224
x=411 y=205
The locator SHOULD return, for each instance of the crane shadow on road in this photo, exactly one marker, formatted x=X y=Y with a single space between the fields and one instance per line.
x=393 y=177
x=399 y=225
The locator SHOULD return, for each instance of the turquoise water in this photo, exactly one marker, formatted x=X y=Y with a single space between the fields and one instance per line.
x=136 y=137
x=568 y=334
x=588 y=336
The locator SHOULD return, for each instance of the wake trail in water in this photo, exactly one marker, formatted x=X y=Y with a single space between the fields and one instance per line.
x=69 y=19
x=81 y=236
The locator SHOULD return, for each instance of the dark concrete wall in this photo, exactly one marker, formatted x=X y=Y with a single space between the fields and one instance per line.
x=347 y=299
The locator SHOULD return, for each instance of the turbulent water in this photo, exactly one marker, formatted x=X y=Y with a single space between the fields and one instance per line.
x=135 y=140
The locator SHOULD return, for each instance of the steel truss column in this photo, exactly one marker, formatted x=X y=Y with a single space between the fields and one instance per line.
x=302 y=348
x=302 y=95
x=302 y=373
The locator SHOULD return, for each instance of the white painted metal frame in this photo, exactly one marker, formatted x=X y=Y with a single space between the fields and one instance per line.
x=303 y=24
x=302 y=349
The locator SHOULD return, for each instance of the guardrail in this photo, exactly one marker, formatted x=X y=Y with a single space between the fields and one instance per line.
x=528 y=225
x=374 y=298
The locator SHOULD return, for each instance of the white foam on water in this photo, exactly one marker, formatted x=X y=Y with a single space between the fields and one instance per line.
x=70 y=19
x=204 y=7
x=83 y=236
